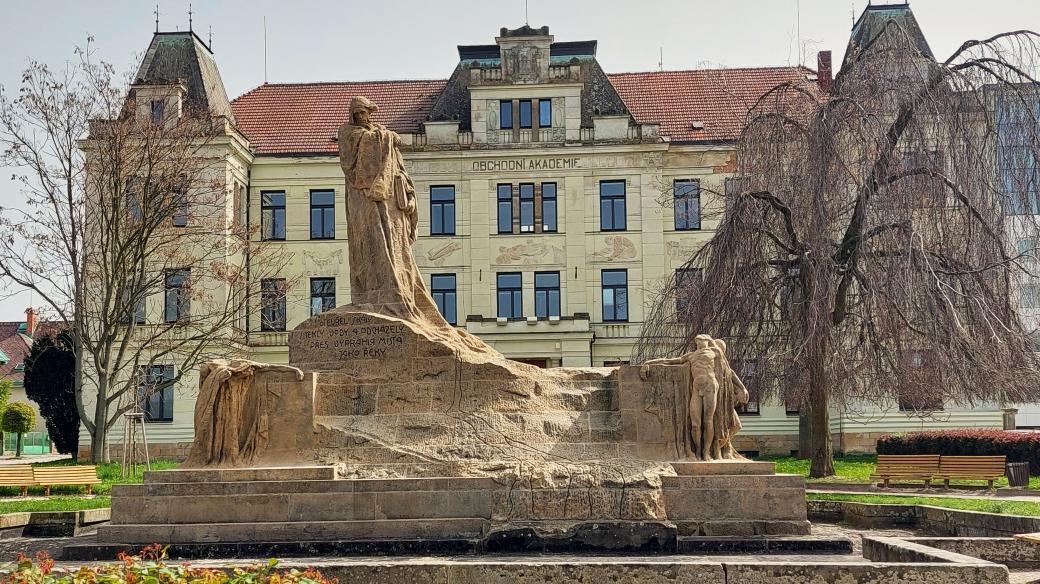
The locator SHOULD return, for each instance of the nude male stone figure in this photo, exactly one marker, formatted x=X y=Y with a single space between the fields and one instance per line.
x=714 y=392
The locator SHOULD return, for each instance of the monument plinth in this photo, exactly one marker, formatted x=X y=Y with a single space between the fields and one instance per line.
x=404 y=428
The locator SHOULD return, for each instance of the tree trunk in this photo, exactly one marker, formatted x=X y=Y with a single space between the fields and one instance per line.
x=804 y=431
x=18 y=446
x=99 y=437
x=821 y=450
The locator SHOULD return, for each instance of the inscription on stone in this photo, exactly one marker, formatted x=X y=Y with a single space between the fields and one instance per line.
x=352 y=336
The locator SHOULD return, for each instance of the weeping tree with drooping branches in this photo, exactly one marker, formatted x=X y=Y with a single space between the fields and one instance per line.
x=877 y=245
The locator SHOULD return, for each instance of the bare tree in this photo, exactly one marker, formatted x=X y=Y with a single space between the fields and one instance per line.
x=876 y=241
x=128 y=232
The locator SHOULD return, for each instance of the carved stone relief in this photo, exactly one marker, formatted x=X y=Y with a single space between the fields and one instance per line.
x=439 y=254
x=530 y=252
x=677 y=251
x=616 y=248
x=321 y=262
x=492 y=115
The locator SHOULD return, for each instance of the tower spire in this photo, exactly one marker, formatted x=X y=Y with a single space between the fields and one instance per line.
x=156 y=17
x=189 y=17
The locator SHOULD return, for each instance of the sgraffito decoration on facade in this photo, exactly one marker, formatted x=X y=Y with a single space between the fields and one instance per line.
x=322 y=262
x=616 y=248
x=439 y=254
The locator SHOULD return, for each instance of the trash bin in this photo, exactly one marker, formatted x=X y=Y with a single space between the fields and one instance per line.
x=1018 y=474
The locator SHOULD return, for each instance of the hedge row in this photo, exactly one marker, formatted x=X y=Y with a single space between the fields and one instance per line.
x=1017 y=446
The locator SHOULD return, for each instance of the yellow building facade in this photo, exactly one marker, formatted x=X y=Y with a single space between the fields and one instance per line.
x=554 y=200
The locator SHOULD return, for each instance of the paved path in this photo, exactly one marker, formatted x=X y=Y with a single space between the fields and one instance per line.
x=31 y=458
x=999 y=495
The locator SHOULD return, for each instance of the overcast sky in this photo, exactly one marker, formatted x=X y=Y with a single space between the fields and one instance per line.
x=394 y=39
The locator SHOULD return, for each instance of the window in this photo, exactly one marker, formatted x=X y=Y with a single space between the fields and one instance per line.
x=612 y=205
x=323 y=295
x=323 y=214
x=510 y=295
x=177 y=295
x=138 y=316
x=505 y=114
x=272 y=304
x=747 y=371
x=1028 y=249
x=155 y=393
x=615 y=295
x=158 y=111
x=792 y=408
x=921 y=376
x=546 y=294
x=687 y=289
x=544 y=113
x=549 y=207
x=442 y=210
x=525 y=113
x=442 y=286
x=505 y=208
x=1017 y=158
x=1029 y=296
x=132 y=198
x=272 y=215
x=687 y=204
x=180 y=209
x=526 y=208
x=735 y=186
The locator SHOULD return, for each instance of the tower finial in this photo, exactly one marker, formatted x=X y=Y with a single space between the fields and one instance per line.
x=189 y=17
x=157 y=17
x=210 y=37
x=527 y=21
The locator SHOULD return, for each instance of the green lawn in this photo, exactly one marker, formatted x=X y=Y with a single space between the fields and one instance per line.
x=1003 y=507
x=74 y=498
x=857 y=469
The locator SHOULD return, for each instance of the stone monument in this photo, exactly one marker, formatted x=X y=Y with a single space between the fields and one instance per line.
x=391 y=425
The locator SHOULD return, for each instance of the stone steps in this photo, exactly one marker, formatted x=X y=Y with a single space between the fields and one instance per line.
x=303 y=501
x=382 y=529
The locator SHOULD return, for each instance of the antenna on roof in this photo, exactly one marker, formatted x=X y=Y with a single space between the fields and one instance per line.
x=660 y=61
x=211 y=38
x=265 y=48
x=527 y=21
x=189 y=17
x=156 y=18
x=798 y=29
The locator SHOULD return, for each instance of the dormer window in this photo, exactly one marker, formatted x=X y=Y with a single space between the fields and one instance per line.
x=544 y=113
x=525 y=113
x=505 y=114
x=158 y=111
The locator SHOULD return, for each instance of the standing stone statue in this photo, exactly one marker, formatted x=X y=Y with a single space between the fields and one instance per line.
x=231 y=425
x=382 y=224
x=709 y=405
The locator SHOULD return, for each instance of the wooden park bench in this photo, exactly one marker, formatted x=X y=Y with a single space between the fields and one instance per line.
x=977 y=468
x=48 y=476
x=17 y=475
x=920 y=467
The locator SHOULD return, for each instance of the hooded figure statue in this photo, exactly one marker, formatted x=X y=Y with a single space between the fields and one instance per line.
x=382 y=224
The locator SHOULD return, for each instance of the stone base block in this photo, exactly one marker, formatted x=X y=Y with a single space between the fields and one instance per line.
x=384 y=529
x=725 y=467
x=223 y=475
x=736 y=505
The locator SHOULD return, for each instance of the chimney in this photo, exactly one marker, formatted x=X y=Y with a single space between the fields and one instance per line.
x=824 y=73
x=31 y=320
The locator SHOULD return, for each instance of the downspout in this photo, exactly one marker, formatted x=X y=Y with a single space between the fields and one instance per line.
x=592 y=341
x=249 y=279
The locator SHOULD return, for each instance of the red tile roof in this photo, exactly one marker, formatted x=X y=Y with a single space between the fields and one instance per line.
x=16 y=346
x=302 y=118
x=718 y=98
